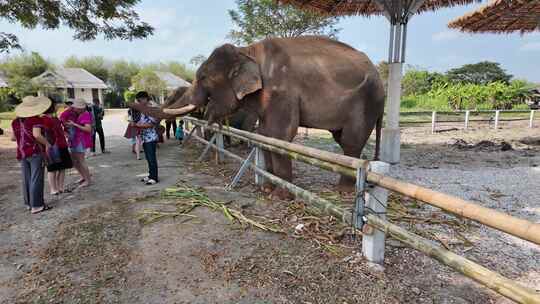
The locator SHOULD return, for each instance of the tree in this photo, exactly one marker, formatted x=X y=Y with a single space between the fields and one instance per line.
x=384 y=70
x=416 y=82
x=147 y=80
x=197 y=60
x=21 y=69
x=177 y=68
x=259 y=19
x=114 y=19
x=95 y=65
x=120 y=74
x=479 y=73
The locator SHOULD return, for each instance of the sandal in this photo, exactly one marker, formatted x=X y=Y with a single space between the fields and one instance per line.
x=45 y=208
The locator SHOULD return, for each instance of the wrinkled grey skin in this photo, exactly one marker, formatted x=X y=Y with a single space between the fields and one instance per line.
x=312 y=82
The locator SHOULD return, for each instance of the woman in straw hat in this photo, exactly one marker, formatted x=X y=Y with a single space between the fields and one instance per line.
x=78 y=124
x=28 y=130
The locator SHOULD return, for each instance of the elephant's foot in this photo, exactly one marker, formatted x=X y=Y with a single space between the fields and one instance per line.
x=267 y=188
x=281 y=195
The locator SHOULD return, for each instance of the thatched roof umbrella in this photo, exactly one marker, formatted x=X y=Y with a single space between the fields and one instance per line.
x=398 y=13
x=501 y=16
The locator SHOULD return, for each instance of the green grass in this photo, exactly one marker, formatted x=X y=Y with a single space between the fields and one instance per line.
x=5 y=124
x=7 y=115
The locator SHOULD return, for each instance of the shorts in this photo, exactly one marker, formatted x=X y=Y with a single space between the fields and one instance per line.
x=66 y=162
x=78 y=149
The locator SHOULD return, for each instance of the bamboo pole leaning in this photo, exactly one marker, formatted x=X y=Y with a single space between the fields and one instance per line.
x=347 y=165
x=321 y=204
x=484 y=276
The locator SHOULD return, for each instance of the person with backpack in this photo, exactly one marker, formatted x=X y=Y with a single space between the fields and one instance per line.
x=98 y=113
x=32 y=146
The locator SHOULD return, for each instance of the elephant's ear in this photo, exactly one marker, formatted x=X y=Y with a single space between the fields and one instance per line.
x=245 y=77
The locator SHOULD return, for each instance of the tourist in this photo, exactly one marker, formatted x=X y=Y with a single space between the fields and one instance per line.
x=98 y=113
x=78 y=123
x=133 y=133
x=148 y=126
x=31 y=145
x=179 y=133
x=170 y=123
x=56 y=170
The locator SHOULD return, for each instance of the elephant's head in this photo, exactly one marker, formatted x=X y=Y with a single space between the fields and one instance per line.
x=222 y=82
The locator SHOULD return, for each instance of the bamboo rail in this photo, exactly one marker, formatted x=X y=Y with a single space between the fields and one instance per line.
x=321 y=204
x=486 y=277
x=347 y=165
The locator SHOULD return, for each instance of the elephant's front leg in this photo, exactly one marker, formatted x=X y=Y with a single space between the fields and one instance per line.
x=282 y=167
x=268 y=187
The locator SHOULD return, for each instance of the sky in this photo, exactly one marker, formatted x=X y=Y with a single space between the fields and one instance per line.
x=184 y=29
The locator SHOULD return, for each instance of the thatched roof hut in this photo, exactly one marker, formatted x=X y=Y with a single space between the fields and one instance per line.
x=370 y=7
x=501 y=16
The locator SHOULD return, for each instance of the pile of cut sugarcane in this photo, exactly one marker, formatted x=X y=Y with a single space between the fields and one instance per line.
x=186 y=199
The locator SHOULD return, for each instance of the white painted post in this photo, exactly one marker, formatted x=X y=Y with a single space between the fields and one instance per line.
x=259 y=162
x=376 y=202
x=433 y=121
x=219 y=143
x=497 y=114
x=390 y=142
x=531 y=119
x=467 y=115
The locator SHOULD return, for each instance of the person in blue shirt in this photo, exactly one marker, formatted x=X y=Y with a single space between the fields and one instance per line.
x=179 y=133
x=148 y=124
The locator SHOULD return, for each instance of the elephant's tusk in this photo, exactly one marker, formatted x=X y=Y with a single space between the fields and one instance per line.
x=180 y=111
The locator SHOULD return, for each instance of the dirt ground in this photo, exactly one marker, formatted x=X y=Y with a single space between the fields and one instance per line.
x=94 y=246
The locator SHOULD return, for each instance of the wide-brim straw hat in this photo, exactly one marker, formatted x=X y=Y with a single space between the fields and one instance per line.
x=79 y=104
x=32 y=106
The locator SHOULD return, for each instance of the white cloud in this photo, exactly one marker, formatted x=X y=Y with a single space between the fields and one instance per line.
x=446 y=36
x=530 y=47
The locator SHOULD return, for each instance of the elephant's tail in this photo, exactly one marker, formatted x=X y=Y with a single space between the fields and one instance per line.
x=378 y=130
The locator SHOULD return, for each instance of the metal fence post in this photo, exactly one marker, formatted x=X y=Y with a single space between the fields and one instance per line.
x=360 y=203
x=433 y=121
x=497 y=114
x=376 y=202
x=259 y=162
x=219 y=142
x=467 y=115
x=531 y=119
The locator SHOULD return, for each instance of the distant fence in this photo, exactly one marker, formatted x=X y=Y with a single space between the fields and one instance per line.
x=494 y=117
x=369 y=213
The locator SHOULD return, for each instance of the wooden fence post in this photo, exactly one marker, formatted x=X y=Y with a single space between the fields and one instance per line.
x=467 y=116
x=531 y=119
x=433 y=121
x=497 y=114
x=376 y=202
x=259 y=162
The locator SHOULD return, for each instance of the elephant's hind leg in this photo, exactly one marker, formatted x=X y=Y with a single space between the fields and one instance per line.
x=353 y=139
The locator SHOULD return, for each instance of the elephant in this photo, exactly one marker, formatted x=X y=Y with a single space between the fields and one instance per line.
x=308 y=81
